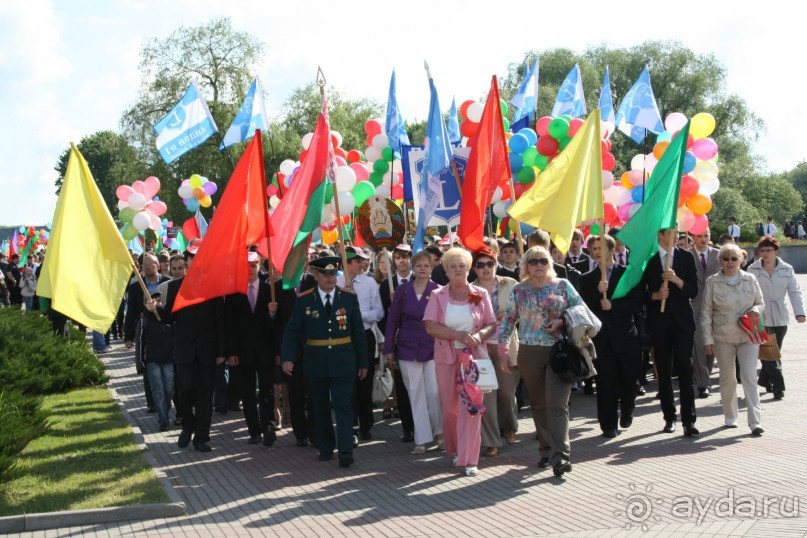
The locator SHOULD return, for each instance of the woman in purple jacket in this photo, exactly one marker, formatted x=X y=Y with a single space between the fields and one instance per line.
x=406 y=339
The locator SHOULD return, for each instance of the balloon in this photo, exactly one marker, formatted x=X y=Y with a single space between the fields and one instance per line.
x=700 y=204
x=685 y=219
x=22 y=229
x=373 y=127
x=361 y=192
x=675 y=122
x=500 y=209
x=542 y=125
x=388 y=154
x=547 y=146
x=380 y=141
x=468 y=129
x=192 y=205
x=346 y=203
x=376 y=179
x=541 y=161
x=196 y=180
x=360 y=171
x=128 y=232
x=529 y=156
x=607 y=179
x=559 y=128
x=659 y=149
x=650 y=163
x=532 y=136
x=316 y=235
x=464 y=108
x=123 y=192
x=274 y=201
x=152 y=186
x=497 y=195
x=705 y=171
x=141 y=221
x=154 y=223
x=372 y=154
x=137 y=201
x=636 y=177
x=353 y=156
x=574 y=126
x=397 y=192
x=139 y=186
x=210 y=188
x=608 y=161
x=702 y=125
x=287 y=167
x=307 y=137
x=689 y=186
x=700 y=225
x=624 y=212
x=609 y=213
x=526 y=175
x=157 y=208
x=345 y=178
x=704 y=148
x=516 y=162
x=474 y=112
x=689 y=162
x=518 y=143
x=126 y=214
x=199 y=193
x=381 y=166
x=633 y=209
x=710 y=187
x=637 y=194
x=329 y=237
x=206 y=201
x=383 y=190
x=336 y=139
x=637 y=163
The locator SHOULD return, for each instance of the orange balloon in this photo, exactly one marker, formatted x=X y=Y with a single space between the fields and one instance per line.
x=625 y=180
x=329 y=237
x=700 y=204
x=660 y=148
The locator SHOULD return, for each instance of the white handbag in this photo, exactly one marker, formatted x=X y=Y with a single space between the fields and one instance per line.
x=487 y=381
x=382 y=381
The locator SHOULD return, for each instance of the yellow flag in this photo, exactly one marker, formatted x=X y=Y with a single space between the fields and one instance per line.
x=87 y=266
x=569 y=190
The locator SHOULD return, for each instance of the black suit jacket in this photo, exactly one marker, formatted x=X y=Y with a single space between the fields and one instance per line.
x=200 y=333
x=285 y=306
x=618 y=325
x=501 y=270
x=249 y=333
x=569 y=273
x=385 y=298
x=678 y=309
x=135 y=307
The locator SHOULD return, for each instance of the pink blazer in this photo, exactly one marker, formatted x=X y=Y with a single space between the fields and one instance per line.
x=436 y=311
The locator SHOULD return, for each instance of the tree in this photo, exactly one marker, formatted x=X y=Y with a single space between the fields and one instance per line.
x=112 y=161
x=798 y=178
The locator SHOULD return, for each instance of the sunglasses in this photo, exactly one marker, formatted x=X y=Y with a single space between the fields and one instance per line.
x=489 y=264
x=733 y=259
x=538 y=261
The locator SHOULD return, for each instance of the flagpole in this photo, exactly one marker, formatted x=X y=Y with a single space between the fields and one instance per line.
x=518 y=224
x=667 y=263
x=603 y=258
x=144 y=288
x=267 y=226
x=226 y=150
x=274 y=163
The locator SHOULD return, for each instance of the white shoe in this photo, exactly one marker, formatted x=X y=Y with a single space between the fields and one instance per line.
x=419 y=449
x=454 y=461
x=471 y=470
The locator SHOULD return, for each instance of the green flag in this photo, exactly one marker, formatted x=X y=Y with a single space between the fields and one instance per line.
x=658 y=212
x=181 y=243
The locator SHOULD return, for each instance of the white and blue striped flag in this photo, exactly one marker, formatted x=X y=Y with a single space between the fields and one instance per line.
x=570 y=98
x=185 y=127
x=607 y=104
x=638 y=110
x=251 y=116
x=526 y=98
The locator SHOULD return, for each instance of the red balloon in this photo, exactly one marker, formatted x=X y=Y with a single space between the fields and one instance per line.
x=341 y=153
x=608 y=161
x=520 y=189
x=398 y=192
x=369 y=140
x=700 y=225
x=547 y=145
x=574 y=125
x=353 y=156
x=469 y=129
x=606 y=145
x=690 y=141
x=689 y=186
x=464 y=108
x=542 y=125
x=609 y=213
x=302 y=155
x=271 y=190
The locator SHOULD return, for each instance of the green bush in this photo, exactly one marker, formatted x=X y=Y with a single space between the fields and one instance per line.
x=21 y=420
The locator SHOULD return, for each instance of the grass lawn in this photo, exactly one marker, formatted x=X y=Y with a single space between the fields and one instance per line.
x=86 y=459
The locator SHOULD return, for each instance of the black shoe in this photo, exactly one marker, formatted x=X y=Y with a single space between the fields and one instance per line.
x=658 y=396
x=610 y=433
x=756 y=432
x=641 y=391
x=408 y=437
x=269 y=437
x=202 y=447
x=151 y=410
x=254 y=439
x=387 y=413
x=345 y=460
x=669 y=426
x=163 y=427
x=396 y=413
x=326 y=457
x=178 y=421
x=779 y=395
x=703 y=393
x=625 y=422
x=562 y=466
x=355 y=441
x=302 y=443
x=184 y=439
x=365 y=436
x=691 y=431
x=544 y=463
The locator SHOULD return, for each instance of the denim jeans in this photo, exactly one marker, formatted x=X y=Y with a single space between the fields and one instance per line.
x=161 y=378
x=98 y=341
x=28 y=302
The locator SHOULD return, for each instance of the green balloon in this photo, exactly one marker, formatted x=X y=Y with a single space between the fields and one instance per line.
x=376 y=179
x=362 y=191
x=559 y=128
x=381 y=166
x=541 y=161
x=526 y=175
x=529 y=155
x=387 y=154
x=129 y=232
x=503 y=105
x=564 y=142
x=127 y=214
x=328 y=192
x=595 y=229
x=506 y=123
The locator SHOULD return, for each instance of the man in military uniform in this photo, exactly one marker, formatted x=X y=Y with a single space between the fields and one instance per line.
x=328 y=322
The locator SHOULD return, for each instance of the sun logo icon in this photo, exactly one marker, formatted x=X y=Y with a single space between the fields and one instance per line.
x=638 y=507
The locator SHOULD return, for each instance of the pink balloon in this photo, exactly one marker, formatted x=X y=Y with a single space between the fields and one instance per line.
x=124 y=192
x=156 y=208
x=675 y=121
x=623 y=212
x=140 y=187
x=152 y=186
x=373 y=127
x=362 y=174
x=704 y=148
x=699 y=225
x=340 y=161
x=155 y=222
x=210 y=188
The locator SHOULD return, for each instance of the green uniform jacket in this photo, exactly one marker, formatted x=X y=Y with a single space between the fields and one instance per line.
x=309 y=322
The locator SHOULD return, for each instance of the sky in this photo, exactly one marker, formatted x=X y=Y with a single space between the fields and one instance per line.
x=70 y=68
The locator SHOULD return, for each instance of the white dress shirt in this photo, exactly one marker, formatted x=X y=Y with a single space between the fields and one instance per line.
x=734 y=231
x=366 y=290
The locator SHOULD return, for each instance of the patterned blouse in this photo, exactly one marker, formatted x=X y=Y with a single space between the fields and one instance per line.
x=533 y=307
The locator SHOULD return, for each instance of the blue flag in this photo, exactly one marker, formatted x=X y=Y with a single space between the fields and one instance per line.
x=135 y=245
x=251 y=116
x=201 y=223
x=185 y=127
x=519 y=124
x=570 y=98
x=438 y=159
x=525 y=100
x=396 y=129
x=454 y=135
x=607 y=104
x=638 y=110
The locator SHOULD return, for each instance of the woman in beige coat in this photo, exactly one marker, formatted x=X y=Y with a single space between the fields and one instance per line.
x=727 y=296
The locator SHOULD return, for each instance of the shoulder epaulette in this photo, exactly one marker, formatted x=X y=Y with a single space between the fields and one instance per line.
x=309 y=291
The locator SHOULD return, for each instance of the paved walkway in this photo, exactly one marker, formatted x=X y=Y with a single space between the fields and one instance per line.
x=643 y=483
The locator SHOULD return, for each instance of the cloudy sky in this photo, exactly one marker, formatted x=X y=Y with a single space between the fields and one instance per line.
x=69 y=68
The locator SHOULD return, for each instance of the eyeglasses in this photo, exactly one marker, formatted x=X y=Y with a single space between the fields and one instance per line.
x=733 y=258
x=538 y=261
x=489 y=264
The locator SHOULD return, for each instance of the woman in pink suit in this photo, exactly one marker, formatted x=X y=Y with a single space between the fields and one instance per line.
x=459 y=316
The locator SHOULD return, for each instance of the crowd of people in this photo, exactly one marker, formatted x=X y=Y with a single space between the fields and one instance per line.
x=303 y=357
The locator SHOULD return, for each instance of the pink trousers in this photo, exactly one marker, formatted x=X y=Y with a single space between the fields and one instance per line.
x=462 y=432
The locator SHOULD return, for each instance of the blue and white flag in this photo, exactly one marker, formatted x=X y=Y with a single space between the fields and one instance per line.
x=396 y=129
x=251 y=116
x=607 y=104
x=135 y=245
x=526 y=98
x=201 y=223
x=638 y=110
x=187 y=126
x=438 y=159
x=454 y=135
x=570 y=98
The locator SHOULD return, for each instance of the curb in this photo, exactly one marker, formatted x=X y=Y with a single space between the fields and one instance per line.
x=78 y=518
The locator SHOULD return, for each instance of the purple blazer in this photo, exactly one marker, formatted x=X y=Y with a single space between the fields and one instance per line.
x=405 y=329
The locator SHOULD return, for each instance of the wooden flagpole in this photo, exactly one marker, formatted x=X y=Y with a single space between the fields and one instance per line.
x=667 y=264
x=603 y=258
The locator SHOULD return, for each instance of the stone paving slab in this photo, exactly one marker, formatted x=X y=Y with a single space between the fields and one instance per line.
x=642 y=483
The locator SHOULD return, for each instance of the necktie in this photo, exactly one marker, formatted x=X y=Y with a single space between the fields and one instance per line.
x=621 y=259
x=703 y=260
x=403 y=280
x=252 y=298
x=574 y=259
x=328 y=304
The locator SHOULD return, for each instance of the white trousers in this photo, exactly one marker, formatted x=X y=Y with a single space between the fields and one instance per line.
x=747 y=354
x=420 y=379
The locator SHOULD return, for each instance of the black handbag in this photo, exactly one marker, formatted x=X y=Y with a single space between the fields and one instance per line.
x=567 y=362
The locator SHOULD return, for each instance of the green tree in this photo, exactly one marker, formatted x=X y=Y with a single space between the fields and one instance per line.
x=112 y=161
x=798 y=178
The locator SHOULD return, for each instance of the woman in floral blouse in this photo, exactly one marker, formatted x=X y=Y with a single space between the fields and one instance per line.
x=537 y=305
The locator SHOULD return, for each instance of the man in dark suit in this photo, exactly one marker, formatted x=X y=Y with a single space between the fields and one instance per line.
x=251 y=353
x=673 y=330
x=327 y=321
x=707 y=264
x=199 y=344
x=619 y=356
x=508 y=262
x=576 y=257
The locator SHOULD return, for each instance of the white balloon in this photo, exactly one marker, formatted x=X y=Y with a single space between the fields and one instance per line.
x=650 y=163
x=637 y=163
x=274 y=201
x=710 y=187
x=500 y=208
x=397 y=166
x=307 y=140
x=137 y=202
x=122 y=204
x=185 y=191
x=380 y=141
x=474 y=112
x=372 y=154
x=345 y=178
x=497 y=195
x=383 y=190
x=611 y=195
x=141 y=220
x=607 y=180
x=346 y=203
x=287 y=167
x=338 y=136
x=327 y=215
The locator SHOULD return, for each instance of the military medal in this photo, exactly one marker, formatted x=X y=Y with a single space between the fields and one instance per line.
x=341 y=318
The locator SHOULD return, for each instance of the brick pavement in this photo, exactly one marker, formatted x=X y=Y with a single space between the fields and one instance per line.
x=641 y=478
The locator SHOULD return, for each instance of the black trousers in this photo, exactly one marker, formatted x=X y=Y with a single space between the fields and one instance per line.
x=196 y=398
x=771 y=376
x=255 y=385
x=673 y=347
x=363 y=392
x=327 y=392
x=616 y=383
x=404 y=405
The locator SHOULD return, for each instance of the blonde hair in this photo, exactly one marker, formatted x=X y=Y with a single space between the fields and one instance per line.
x=536 y=252
x=379 y=276
x=730 y=248
x=455 y=253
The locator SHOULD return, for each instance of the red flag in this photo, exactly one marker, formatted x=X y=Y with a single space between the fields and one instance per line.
x=242 y=219
x=190 y=229
x=488 y=167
